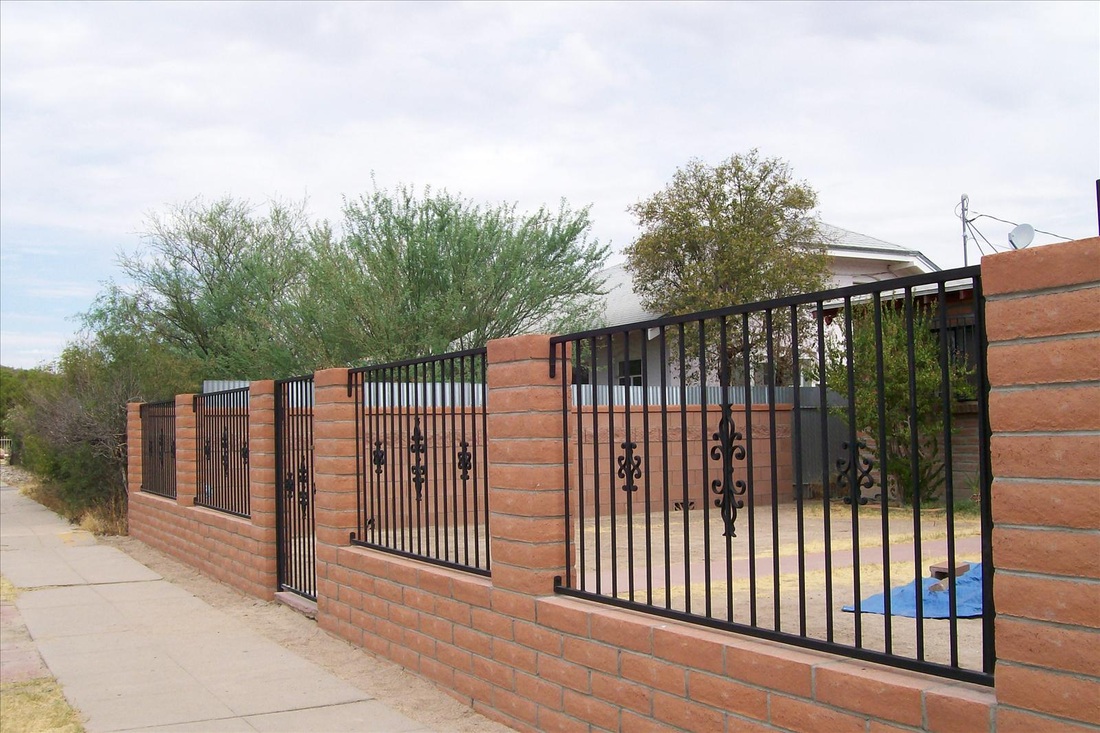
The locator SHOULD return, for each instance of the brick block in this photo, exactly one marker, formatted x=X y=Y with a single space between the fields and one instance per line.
x=1045 y=409
x=773 y=666
x=632 y=723
x=1061 y=265
x=1010 y=720
x=1044 y=362
x=959 y=709
x=807 y=717
x=1072 y=505
x=1063 y=695
x=540 y=691
x=563 y=615
x=563 y=673
x=538 y=638
x=552 y=721
x=591 y=710
x=1071 y=553
x=1046 y=456
x=592 y=655
x=623 y=630
x=725 y=694
x=492 y=623
x=691 y=647
x=1040 y=644
x=658 y=675
x=617 y=691
x=883 y=693
x=686 y=714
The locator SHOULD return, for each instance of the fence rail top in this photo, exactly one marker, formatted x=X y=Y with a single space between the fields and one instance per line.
x=480 y=351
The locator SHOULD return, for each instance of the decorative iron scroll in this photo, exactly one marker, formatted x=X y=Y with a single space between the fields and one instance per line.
x=289 y=485
x=244 y=452
x=464 y=460
x=225 y=451
x=863 y=469
x=206 y=448
x=728 y=449
x=378 y=456
x=417 y=449
x=630 y=466
x=303 y=486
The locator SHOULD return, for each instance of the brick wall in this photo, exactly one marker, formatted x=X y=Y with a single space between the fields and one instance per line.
x=236 y=550
x=540 y=662
x=1043 y=325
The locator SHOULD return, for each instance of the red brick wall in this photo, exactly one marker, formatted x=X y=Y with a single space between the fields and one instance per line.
x=1043 y=324
x=515 y=651
x=235 y=550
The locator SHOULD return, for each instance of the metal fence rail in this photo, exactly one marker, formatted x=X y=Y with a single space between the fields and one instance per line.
x=422 y=457
x=686 y=505
x=158 y=465
x=295 y=491
x=221 y=432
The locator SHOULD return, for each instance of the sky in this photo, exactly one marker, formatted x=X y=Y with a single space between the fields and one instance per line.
x=891 y=111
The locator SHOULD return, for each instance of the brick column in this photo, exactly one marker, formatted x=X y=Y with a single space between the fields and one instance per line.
x=526 y=471
x=135 y=445
x=1043 y=324
x=334 y=473
x=186 y=455
x=261 y=479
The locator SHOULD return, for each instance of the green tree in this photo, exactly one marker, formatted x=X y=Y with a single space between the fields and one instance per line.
x=927 y=476
x=735 y=233
x=416 y=275
x=218 y=283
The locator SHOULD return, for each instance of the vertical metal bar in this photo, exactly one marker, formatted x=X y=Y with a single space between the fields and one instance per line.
x=684 y=466
x=465 y=486
x=826 y=479
x=796 y=444
x=628 y=453
x=434 y=524
x=704 y=435
x=665 y=498
x=597 y=469
x=567 y=368
x=724 y=367
x=749 y=443
x=483 y=399
x=453 y=519
x=946 y=391
x=769 y=334
x=853 y=465
x=884 y=457
x=644 y=335
x=611 y=452
x=914 y=468
x=985 y=480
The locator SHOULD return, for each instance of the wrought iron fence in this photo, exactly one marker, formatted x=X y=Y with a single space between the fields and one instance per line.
x=422 y=457
x=699 y=506
x=158 y=464
x=294 y=497
x=221 y=431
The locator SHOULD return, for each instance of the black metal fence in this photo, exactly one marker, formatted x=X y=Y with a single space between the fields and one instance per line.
x=697 y=503
x=422 y=457
x=294 y=497
x=158 y=464
x=221 y=431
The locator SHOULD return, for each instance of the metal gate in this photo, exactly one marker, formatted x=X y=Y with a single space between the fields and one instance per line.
x=295 y=491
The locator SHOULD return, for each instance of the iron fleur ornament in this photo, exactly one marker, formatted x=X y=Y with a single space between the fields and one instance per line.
x=465 y=461
x=728 y=449
x=417 y=449
x=630 y=466
x=862 y=469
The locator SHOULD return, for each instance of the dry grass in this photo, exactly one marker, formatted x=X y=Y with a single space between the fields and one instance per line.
x=105 y=518
x=37 y=706
x=8 y=592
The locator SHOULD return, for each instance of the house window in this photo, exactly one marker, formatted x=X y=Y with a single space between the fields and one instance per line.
x=630 y=372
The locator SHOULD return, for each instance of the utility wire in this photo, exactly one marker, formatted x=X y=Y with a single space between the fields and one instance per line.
x=1006 y=221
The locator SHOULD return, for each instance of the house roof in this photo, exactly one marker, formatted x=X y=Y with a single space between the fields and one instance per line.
x=846 y=243
x=623 y=305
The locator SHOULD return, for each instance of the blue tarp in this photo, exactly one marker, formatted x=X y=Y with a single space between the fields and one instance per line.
x=936 y=604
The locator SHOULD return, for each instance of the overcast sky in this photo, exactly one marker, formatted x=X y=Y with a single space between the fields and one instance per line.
x=890 y=111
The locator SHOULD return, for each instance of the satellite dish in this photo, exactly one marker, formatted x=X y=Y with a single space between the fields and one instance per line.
x=1021 y=236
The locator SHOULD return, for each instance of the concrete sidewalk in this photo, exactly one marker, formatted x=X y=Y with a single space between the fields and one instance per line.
x=135 y=652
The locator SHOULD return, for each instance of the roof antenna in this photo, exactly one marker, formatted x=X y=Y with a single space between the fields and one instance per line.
x=964 y=202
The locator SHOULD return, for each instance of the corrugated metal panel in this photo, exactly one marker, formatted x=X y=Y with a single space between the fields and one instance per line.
x=220 y=385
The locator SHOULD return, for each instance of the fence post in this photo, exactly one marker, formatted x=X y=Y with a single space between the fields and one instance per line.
x=526 y=471
x=261 y=479
x=186 y=451
x=135 y=447
x=1043 y=327
x=334 y=473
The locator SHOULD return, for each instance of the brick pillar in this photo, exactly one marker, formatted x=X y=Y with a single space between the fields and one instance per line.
x=526 y=471
x=1043 y=325
x=135 y=447
x=261 y=480
x=334 y=474
x=186 y=453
